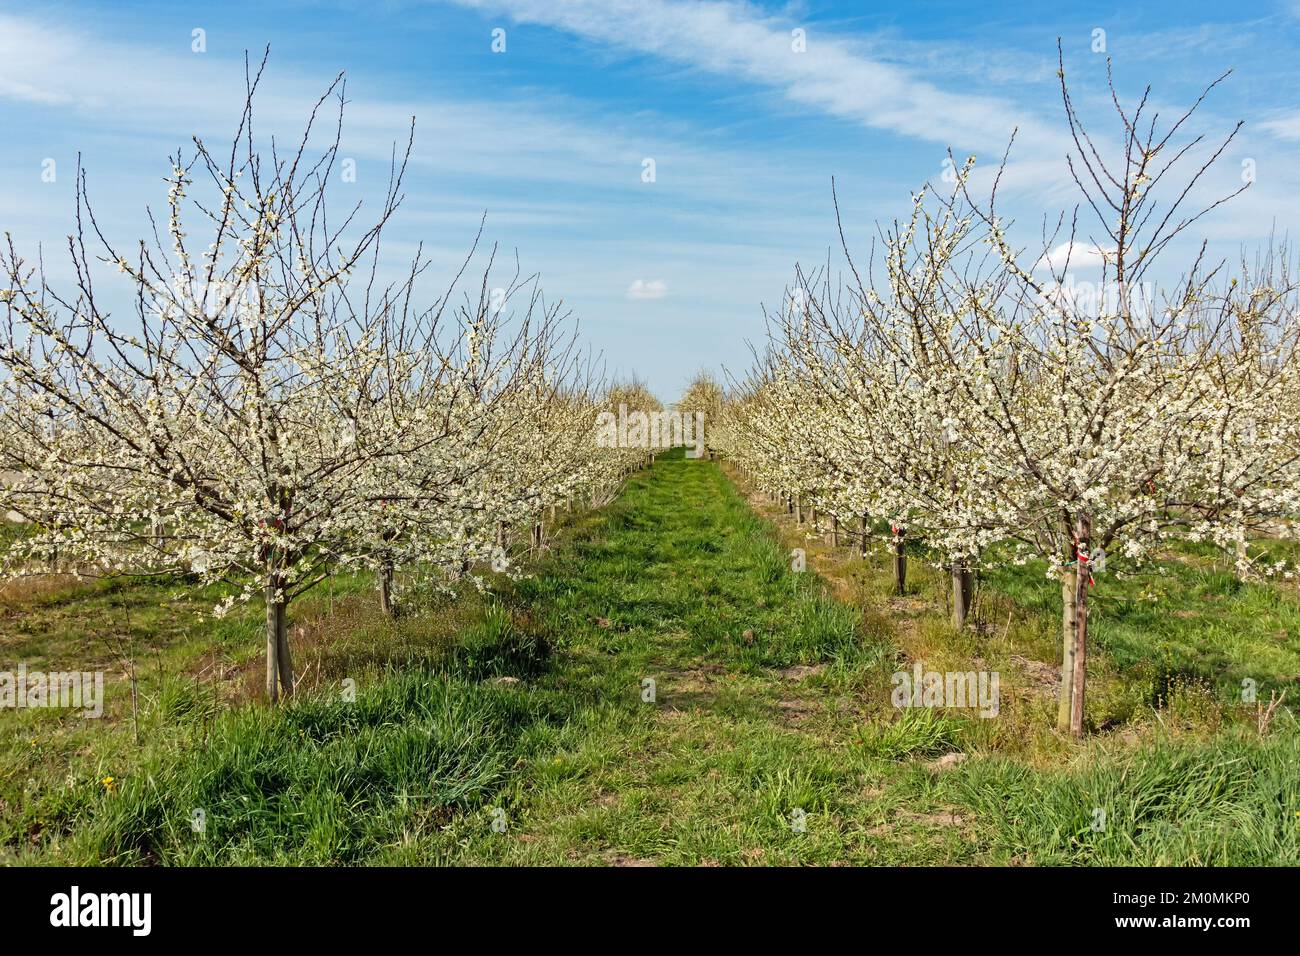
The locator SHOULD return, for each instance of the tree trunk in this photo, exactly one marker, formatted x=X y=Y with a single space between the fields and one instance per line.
x=273 y=614
x=282 y=652
x=798 y=510
x=1082 y=580
x=835 y=532
x=1069 y=632
x=900 y=566
x=279 y=663
x=385 y=575
x=961 y=593
x=158 y=532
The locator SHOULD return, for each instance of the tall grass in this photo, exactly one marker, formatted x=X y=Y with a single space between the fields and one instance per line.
x=1231 y=801
x=320 y=781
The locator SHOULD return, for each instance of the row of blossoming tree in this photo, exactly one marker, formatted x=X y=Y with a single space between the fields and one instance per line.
x=266 y=410
x=964 y=397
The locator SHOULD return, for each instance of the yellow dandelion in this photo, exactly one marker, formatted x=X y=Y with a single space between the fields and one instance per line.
x=109 y=784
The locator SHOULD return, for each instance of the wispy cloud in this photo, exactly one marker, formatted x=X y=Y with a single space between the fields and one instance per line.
x=537 y=138
x=1285 y=127
x=829 y=73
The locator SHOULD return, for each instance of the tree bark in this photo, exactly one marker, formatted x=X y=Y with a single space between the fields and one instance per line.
x=863 y=550
x=385 y=575
x=835 y=532
x=158 y=532
x=282 y=652
x=900 y=566
x=798 y=510
x=279 y=662
x=1069 y=632
x=961 y=593
x=1082 y=580
x=273 y=612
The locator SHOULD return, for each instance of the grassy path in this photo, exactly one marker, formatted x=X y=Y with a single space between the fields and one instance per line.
x=752 y=749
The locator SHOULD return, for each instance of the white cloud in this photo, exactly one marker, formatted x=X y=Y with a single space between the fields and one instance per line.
x=1076 y=256
x=641 y=289
x=837 y=76
x=539 y=137
x=1283 y=127
x=852 y=79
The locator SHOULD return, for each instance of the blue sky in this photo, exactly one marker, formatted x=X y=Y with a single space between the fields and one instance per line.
x=549 y=137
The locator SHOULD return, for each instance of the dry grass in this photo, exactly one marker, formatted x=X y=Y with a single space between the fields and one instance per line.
x=28 y=589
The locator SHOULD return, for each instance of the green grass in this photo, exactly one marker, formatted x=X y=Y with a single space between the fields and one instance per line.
x=1177 y=630
x=1228 y=802
x=770 y=738
x=322 y=782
